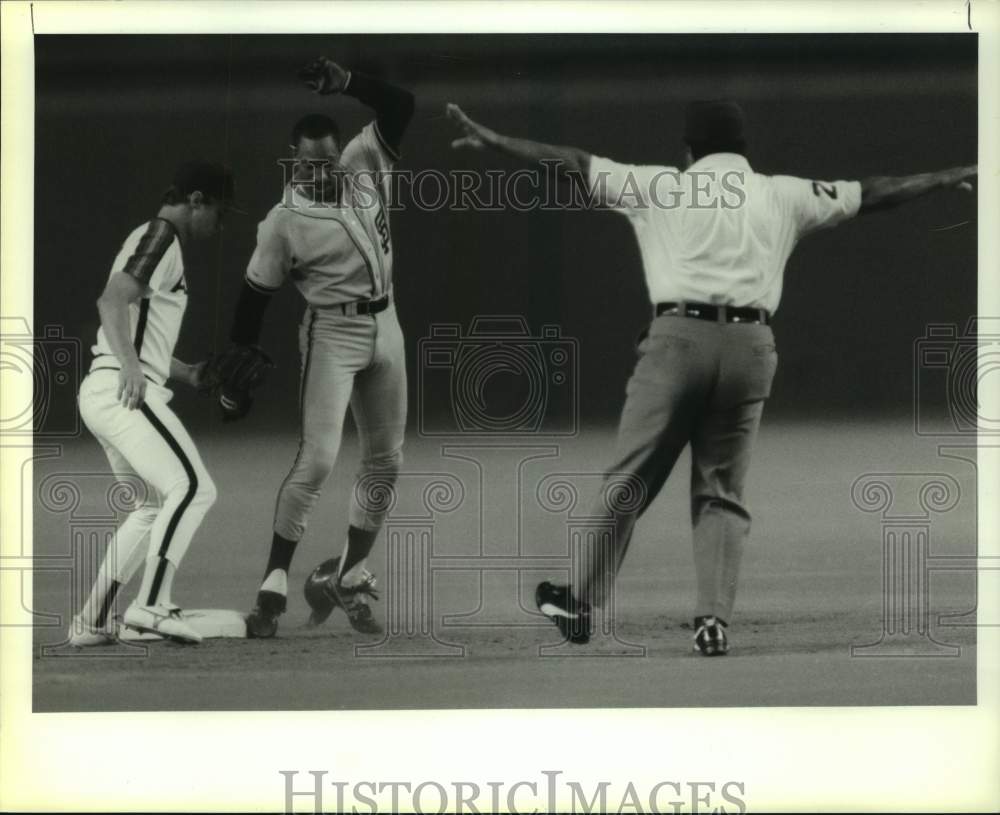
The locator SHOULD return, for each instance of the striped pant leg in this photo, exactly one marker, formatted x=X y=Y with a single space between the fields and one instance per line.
x=127 y=549
x=157 y=447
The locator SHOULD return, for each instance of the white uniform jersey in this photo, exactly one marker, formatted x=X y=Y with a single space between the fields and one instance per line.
x=152 y=255
x=719 y=232
x=335 y=253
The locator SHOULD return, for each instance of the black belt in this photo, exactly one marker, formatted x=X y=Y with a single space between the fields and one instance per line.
x=360 y=306
x=715 y=314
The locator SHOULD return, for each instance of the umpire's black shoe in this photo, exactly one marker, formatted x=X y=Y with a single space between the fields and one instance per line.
x=571 y=617
x=262 y=622
x=710 y=636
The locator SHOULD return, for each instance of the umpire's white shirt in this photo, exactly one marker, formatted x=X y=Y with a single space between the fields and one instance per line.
x=719 y=232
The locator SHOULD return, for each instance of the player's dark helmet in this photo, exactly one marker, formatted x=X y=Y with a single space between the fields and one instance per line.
x=322 y=601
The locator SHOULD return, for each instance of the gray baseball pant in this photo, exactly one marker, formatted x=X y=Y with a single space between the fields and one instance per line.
x=355 y=361
x=700 y=383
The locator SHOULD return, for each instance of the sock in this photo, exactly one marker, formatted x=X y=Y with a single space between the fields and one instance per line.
x=102 y=597
x=356 y=550
x=157 y=581
x=282 y=550
x=102 y=613
x=276 y=582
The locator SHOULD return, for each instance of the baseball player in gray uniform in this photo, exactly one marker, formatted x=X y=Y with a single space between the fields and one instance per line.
x=330 y=234
x=124 y=403
x=714 y=240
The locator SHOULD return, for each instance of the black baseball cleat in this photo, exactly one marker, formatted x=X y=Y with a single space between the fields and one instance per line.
x=325 y=592
x=262 y=622
x=571 y=617
x=710 y=636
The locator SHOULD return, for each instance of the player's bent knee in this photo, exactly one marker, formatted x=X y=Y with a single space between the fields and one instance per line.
x=207 y=492
x=317 y=471
x=199 y=491
x=388 y=464
x=729 y=505
x=144 y=515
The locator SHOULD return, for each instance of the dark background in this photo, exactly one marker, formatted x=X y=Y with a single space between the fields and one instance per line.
x=115 y=115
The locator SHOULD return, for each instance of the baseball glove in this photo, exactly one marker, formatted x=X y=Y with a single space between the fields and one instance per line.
x=235 y=374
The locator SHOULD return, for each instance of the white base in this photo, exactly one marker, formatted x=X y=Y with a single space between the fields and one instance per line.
x=209 y=622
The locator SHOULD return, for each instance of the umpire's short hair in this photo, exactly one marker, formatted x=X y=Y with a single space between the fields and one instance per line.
x=714 y=126
x=315 y=126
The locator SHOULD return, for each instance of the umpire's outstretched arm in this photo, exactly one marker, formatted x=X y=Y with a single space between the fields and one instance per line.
x=883 y=192
x=572 y=163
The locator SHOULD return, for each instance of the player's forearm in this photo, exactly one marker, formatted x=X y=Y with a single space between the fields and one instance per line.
x=570 y=161
x=882 y=192
x=393 y=106
x=113 y=309
x=249 y=317
x=183 y=372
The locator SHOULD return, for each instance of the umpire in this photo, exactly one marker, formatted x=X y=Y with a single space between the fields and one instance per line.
x=714 y=240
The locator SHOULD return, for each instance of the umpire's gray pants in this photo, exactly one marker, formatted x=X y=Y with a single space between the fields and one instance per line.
x=355 y=361
x=696 y=382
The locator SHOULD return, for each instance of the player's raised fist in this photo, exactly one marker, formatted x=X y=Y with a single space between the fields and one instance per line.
x=475 y=136
x=324 y=76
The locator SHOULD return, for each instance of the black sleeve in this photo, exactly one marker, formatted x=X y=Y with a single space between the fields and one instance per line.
x=393 y=106
x=249 y=317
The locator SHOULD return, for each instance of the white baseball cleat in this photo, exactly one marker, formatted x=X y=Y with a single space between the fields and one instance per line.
x=84 y=635
x=160 y=620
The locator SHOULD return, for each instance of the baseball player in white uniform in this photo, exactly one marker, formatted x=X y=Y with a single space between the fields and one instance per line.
x=330 y=234
x=124 y=403
x=714 y=241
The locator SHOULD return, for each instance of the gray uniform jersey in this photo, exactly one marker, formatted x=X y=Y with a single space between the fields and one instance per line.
x=335 y=254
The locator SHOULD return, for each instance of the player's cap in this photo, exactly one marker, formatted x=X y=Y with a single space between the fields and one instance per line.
x=713 y=121
x=211 y=179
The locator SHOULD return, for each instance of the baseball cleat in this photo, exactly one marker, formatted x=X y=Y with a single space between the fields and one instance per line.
x=710 y=636
x=262 y=621
x=160 y=620
x=571 y=617
x=324 y=592
x=84 y=635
